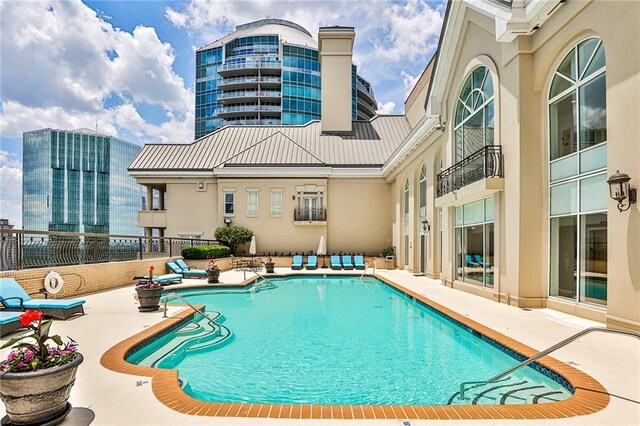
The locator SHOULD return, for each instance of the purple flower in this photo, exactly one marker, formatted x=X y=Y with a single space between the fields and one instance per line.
x=28 y=355
x=11 y=356
x=22 y=364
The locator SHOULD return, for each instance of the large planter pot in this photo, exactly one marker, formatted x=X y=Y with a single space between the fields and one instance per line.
x=39 y=397
x=149 y=298
x=213 y=276
x=269 y=267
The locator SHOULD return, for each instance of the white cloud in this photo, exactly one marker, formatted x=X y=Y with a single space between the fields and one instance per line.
x=386 y=107
x=64 y=66
x=408 y=82
x=11 y=183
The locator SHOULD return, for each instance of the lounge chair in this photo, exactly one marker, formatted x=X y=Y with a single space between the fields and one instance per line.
x=312 y=262
x=358 y=262
x=9 y=322
x=168 y=278
x=13 y=298
x=297 y=262
x=479 y=261
x=346 y=262
x=187 y=271
x=335 y=262
x=470 y=262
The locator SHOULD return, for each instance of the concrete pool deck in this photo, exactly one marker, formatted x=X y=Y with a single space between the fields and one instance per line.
x=117 y=398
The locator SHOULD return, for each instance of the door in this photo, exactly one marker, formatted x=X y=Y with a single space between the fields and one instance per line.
x=423 y=253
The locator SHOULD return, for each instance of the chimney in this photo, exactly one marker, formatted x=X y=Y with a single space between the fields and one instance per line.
x=335 y=50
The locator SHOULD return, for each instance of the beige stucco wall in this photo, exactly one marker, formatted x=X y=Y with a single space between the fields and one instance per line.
x=414 y=105
x=522 y=73
x=335 y=53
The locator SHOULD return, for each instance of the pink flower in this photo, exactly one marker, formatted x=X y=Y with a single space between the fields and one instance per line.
x=28 y=355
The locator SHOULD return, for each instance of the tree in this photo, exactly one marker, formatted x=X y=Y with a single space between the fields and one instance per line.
x=233 y=236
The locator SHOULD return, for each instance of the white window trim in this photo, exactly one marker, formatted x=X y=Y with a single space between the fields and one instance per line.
x=281 y=192
x=224 y=202
x=257 y=212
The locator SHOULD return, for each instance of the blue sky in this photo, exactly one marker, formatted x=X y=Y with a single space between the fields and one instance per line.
x=129 y=65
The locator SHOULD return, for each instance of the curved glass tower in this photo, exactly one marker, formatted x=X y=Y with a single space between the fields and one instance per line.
x=265 y=73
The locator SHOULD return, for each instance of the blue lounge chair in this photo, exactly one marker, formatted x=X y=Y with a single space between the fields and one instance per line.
x=312 y=262
x=335 y=262
x=346 y=262
x=470 y=262
x=297 y=262
x=13 y=297
x=168 y=278
x=9 y=322
x=358 y=262
x=178 y=268
x=479 y=261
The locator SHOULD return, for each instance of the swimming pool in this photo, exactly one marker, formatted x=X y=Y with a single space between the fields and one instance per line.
x=336 y=340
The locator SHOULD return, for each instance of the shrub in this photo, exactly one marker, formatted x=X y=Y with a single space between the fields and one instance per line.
x=388 y=251
x=233 y=236
x=204 y=252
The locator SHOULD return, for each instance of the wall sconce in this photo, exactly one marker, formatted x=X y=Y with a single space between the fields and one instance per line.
x=227 y=221
x=425 y=225
x=620 y=190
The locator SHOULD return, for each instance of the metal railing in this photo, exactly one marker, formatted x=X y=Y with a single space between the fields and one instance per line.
x=248 y=108
x=487 y=162
x=310 y=215
x=174 y=295
x=250 y=65
x=547 y=351
x=372 y=263
x=24 y=249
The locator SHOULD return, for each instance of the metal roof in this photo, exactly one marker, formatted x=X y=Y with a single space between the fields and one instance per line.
x=371 y=144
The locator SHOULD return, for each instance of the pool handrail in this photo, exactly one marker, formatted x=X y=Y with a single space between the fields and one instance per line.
x=187 y=303
x=547 y=351
x=373 y=262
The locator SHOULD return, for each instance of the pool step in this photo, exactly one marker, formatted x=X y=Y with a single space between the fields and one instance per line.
x=198 y=335
x=510 y=391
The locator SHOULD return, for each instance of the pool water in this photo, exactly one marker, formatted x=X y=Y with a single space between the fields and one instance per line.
x=338 y=340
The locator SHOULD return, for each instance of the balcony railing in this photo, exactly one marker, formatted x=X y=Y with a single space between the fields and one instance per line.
x=310 y=215
x=23 y=249
x=487 y=162
x=250 y=65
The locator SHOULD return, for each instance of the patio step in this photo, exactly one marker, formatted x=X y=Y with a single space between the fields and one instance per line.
x=510 y=391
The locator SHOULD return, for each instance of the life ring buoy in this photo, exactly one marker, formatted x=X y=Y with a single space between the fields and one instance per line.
x=53 y=282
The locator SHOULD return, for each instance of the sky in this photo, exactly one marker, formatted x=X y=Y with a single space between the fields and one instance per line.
x=128 y=67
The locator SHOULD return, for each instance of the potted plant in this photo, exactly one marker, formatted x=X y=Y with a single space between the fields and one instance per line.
x=213 y=272
x=36 y=378
x=149 y=293
x=269 y=265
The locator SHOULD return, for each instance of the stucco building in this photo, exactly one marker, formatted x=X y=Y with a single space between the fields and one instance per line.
x=494 y=180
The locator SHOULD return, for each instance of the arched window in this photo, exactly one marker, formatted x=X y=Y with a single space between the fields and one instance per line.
x=406 y=221
x=577 y=175
x=423 y=191
x=474 y=114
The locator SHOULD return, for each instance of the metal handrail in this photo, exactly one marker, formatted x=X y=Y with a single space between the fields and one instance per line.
x=166 y=299
x=547 y=351
x=373 y=262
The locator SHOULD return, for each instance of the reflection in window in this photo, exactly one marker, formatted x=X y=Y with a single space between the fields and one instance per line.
x=475 y=242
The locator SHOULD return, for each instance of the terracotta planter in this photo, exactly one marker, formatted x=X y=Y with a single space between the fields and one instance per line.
x=149 y=298
x=39 y=397
x=213 y=276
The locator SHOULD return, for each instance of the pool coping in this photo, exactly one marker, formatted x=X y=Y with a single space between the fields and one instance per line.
x=589 y=395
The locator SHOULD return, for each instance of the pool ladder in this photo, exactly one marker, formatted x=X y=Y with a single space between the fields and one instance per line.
x=366 y=268
x=547 y=351
x=174 y=295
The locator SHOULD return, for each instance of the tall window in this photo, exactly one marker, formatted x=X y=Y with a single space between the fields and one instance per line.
x=252 y=203
x=276 y=203
x=577 y=175
x=229 y=203
x=474 y=114
x=475 y=242
x=406 y=221
x=423 y=191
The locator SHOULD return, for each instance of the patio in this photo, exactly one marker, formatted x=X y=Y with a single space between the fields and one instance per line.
x=112 y=316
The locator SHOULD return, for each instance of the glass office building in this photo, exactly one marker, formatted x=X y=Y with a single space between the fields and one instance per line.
x=265 y=73
x=77 y=181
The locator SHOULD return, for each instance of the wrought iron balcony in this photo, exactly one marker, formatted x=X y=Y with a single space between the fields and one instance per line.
x=310 y=215
x=487 y=162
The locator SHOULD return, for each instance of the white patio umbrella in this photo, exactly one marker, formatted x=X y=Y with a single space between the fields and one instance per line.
x=252 y=246
x=322 y=250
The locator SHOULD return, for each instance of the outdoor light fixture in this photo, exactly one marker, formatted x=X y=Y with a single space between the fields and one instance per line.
x=425 y=225
x=620 y=190
x=227 y=221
